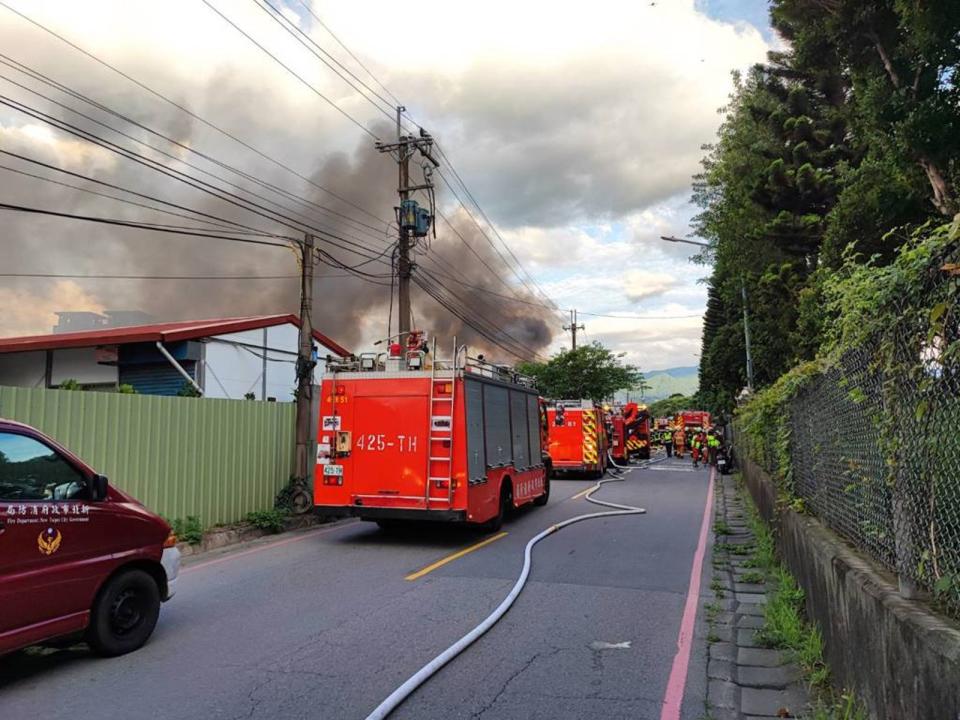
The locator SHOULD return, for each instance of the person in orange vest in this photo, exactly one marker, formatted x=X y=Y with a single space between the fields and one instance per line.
x=679 y=442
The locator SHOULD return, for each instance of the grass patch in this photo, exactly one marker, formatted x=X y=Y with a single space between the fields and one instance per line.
x=844 y=707
x=735 y=549
x=272 y=521
x=720 y=527
x=717 y=586
x=786 y=628
x=189 y=530
x=754 y=577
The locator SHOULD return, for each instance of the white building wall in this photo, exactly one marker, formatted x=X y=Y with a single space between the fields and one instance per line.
x=26 y=369
x=232 y=369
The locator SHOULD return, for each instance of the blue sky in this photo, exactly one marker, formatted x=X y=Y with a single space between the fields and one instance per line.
x=755 y=12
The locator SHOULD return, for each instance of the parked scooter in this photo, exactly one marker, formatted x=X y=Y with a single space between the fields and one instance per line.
x=724 y=461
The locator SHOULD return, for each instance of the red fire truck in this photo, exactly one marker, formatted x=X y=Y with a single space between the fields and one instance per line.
x=578 y=440
x=694 y=419
x=410 y=437
x=618 y=438
x=636 y=422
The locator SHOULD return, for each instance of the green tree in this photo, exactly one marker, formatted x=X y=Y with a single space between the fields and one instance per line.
x=590 y=372
x=672 y=405
x=899 y=61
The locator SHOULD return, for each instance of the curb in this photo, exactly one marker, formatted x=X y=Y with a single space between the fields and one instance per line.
x=219 y=538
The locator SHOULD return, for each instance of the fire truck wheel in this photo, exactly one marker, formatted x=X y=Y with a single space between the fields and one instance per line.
x=124 y=613
x=506 y=504
x=543 y=499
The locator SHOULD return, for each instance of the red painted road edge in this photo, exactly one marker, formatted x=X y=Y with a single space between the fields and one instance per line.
x=673 y=698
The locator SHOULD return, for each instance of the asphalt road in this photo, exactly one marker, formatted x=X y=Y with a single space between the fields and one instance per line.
x=323 y=624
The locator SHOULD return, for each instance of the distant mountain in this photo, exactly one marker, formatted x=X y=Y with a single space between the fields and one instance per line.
x=677 y=372
x=664 y=383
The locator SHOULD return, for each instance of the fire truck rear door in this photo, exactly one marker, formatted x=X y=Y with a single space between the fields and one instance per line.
x=476 y=455
x=390 y=443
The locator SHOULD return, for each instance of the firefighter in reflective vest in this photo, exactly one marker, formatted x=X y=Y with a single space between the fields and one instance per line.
x=666 y=437
x=713 y=447
x=679 y=441
x=695 y=450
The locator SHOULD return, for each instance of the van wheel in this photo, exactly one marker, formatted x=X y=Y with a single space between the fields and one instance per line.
x=506 y=503
x=543 y=499
x=124 y=613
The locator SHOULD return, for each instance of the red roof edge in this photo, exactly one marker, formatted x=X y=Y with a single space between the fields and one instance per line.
x=162 y=332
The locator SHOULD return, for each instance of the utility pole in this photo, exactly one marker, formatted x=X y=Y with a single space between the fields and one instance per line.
x=746 y=319
x=412 y=221
x=746 y=334
x=573 y=327
x=305 y=360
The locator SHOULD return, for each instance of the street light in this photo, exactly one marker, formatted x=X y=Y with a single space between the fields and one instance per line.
x=743 y=294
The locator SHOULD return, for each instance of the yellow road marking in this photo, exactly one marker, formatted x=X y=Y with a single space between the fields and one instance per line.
x=582 y=493
x=450 y=558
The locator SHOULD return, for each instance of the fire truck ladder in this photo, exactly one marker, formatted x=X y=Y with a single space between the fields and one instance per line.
x=441 y=428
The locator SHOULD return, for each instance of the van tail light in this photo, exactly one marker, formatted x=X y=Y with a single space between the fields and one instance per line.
x=171 y=540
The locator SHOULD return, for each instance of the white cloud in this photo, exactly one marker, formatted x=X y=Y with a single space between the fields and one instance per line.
x=577 y=127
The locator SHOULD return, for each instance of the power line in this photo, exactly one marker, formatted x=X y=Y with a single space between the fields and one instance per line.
x=395 y=100
x=276 y=17
x=226 y=196
x=465 y=307
x=640 y=317
x=490 y=242
x=38 y=76
x=490 y=223
x=291 y=70
x=521 y=352
x=303 y=38
x=99 y=276
x=189 y=112
x=194 y=232
x=222 y=222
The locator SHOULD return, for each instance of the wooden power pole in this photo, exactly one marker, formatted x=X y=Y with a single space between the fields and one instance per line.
x=305 y=359
x=408 y=212
x=573 y=327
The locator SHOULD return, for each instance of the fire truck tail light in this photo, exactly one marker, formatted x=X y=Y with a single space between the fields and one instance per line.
x=441 y=483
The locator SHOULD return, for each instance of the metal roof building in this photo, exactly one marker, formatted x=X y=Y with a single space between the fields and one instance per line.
x=225 y=357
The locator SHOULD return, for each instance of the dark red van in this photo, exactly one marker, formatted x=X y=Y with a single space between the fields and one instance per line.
x=77 y=557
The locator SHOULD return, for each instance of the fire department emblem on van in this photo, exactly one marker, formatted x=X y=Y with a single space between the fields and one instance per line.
x=49 y=541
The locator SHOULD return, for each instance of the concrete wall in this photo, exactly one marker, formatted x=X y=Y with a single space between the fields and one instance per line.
x=901 y=658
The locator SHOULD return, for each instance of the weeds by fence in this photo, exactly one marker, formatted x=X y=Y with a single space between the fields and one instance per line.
x=867 y=438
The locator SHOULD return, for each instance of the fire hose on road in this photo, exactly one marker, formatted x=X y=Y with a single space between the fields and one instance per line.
x=394 y=700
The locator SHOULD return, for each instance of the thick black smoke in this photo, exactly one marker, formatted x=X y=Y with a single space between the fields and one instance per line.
x=352 y=310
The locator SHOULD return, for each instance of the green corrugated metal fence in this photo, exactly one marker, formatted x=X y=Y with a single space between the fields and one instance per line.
x=216 y=459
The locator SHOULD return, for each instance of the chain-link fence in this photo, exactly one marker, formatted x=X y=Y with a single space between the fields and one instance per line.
x=872 y=439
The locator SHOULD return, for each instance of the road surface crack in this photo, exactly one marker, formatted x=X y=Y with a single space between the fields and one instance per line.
x=514 y=676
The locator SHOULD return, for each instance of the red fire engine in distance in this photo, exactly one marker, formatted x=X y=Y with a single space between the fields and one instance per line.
x=405 y=436
x=578 y=438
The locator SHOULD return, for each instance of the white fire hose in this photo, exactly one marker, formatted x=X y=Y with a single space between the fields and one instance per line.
x=397 y=697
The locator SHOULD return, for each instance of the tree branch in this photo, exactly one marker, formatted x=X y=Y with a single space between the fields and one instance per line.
x=891 y=71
